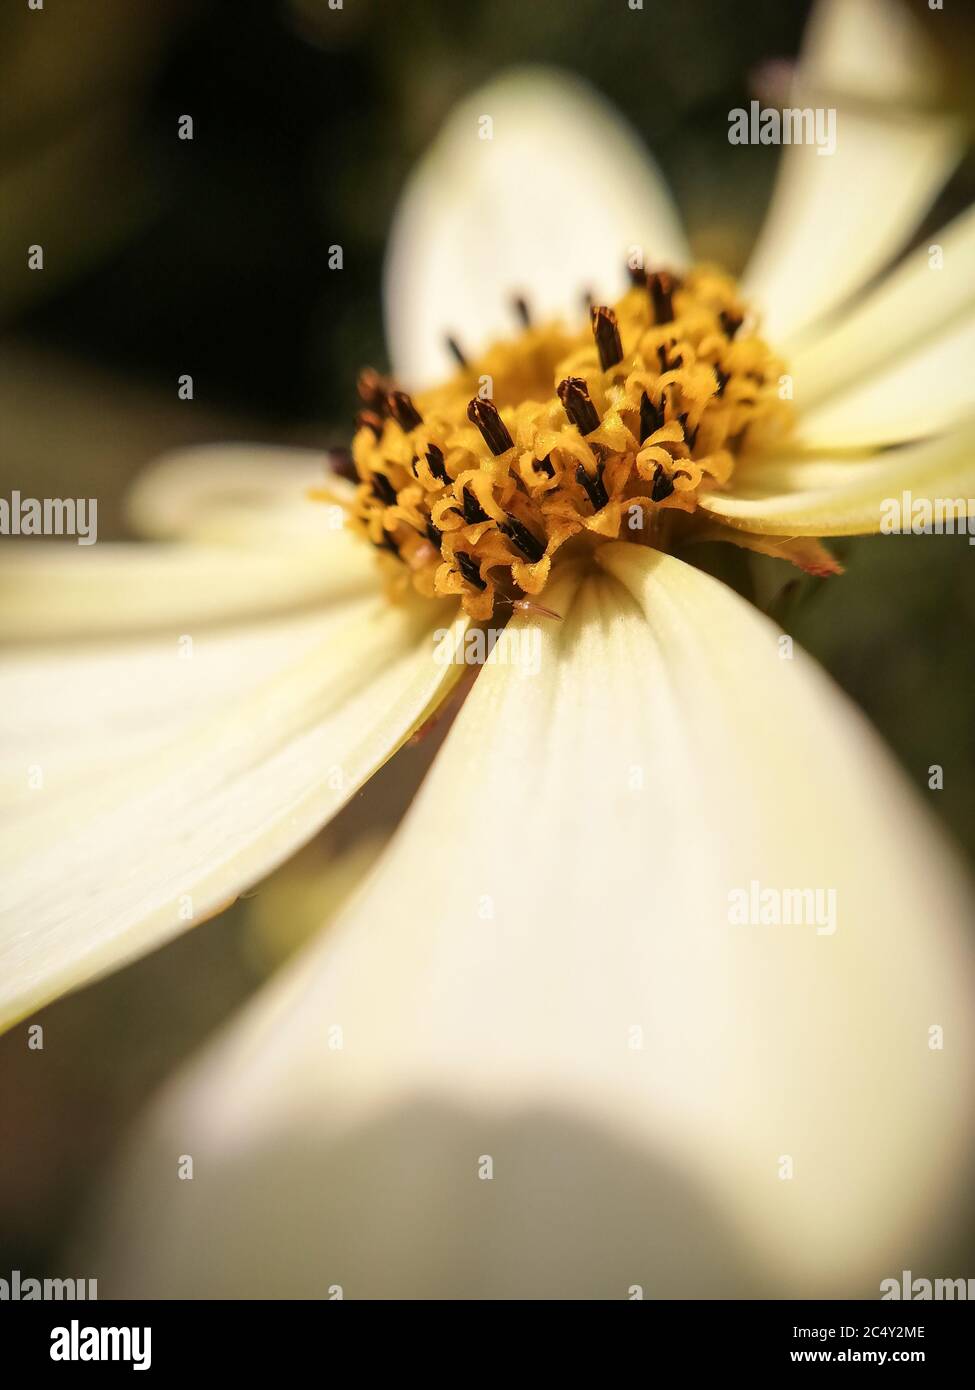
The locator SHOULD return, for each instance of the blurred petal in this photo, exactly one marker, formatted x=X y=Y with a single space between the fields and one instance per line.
x=60 y=591
x=840 y=497
x=243 y=493
x=836 y=219
x=542 y=974
x=87 y=709
x=548 y=206
x=105 y=867
x=913 y=304
x=919 y=394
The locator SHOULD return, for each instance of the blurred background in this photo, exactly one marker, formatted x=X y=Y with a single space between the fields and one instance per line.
x=209 y=257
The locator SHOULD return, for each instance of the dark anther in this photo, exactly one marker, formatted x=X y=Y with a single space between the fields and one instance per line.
x=662 y=484
x=373 y=390
x=382 y=489
x=437 y=466
x=544 y=466
x=457 y=352
x=651 y=416
x=730 y=322
x=369 y=420
x=574 y=395
x=494 y=432
x=520 y=305
x=434 y=534
x=606 y=331
x=530 y=546
x=661 y=285
x=403 y=411
x=473 y=511
x=637 y=275
x=468 y=568
x=690 y=439
x=387 y=543
x=668 y=364
x=340 y=462
x=722 y=378
x=595 y=490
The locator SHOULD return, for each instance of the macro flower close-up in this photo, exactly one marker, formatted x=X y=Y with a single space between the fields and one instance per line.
x=656 y=980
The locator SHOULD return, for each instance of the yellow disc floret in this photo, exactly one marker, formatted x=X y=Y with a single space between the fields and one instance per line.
x=608 y=432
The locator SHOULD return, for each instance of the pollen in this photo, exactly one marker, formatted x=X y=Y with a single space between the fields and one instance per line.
x=564 y=437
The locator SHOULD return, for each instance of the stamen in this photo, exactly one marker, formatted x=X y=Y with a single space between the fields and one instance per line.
x=662 y=485
x=373 y=390
x=595 y=490
x=437 y=466
x=456 y=352
x=651 y=417
x=576 y=402
x=368 y=419
x=520 y=305
x=468 y=568
x=340 y=462
x=387 y=543
x=473 y=511
x=383 y=490
x=494 y=432
x=434 y=534
x=668 y=363
x=605 y=330
x=544 y=466
x=530 y=546
x=662 y=285
x=403 y=411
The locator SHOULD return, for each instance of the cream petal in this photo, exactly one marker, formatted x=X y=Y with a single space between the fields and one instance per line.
x=835 y=497
x=548 y=205
x=60 y=591
x=922 y=393
x=921 y=298
x=238 y=493
x=96 y=705
x=837 y=219
x=102 y=868
x=542 y=976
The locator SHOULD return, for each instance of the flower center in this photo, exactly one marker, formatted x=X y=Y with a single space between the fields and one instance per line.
x=558 y=437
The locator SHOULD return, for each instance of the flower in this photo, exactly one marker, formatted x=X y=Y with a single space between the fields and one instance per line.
x=535 y=1057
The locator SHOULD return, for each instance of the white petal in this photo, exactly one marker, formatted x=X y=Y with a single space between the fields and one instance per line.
x=836 y=219
x=82 y=710
x=542 y=973
x=548 y=206
x=55 y=591
x=102 y=868
x=914 y=303
x=244 y=493
x=830 y=496
x=921 y=393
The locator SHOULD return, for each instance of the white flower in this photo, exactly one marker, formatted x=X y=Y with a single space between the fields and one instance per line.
x=540 y=971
